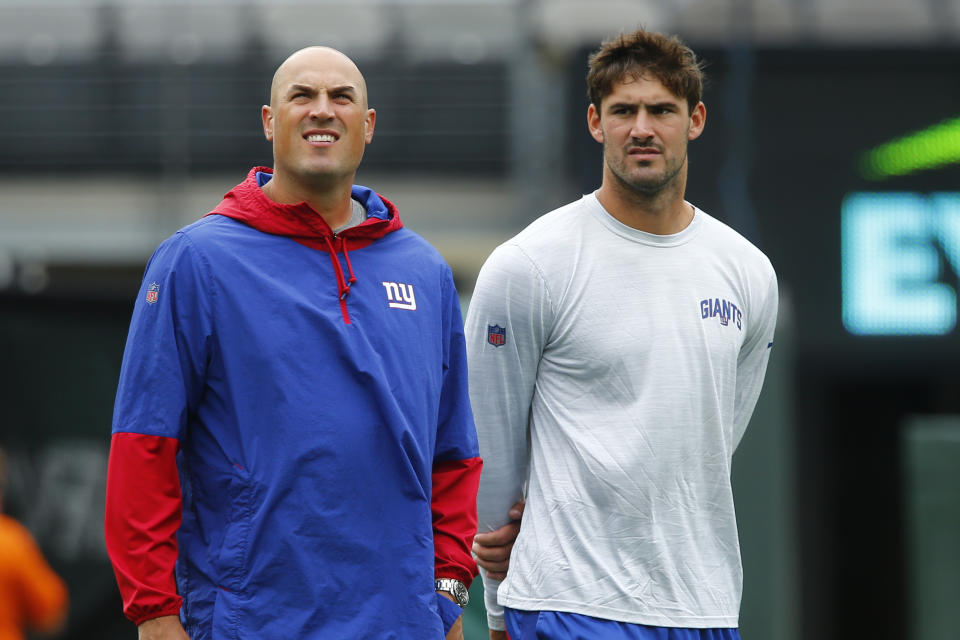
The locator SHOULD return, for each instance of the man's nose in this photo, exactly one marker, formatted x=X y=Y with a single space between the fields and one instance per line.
x=321 y=108
x=642 y=125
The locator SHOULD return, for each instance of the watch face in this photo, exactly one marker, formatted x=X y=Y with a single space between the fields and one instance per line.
x=455 y=588
x=460 y=593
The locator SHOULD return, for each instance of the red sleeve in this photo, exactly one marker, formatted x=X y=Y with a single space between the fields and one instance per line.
x=142 y=516
x=454 y=507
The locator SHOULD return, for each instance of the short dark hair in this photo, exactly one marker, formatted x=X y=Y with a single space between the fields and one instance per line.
x=642 y=53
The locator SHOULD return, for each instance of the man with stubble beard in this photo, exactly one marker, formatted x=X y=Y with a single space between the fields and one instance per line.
x=617 y=347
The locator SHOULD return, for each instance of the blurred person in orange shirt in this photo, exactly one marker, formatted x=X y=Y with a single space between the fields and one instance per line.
x=32 y=596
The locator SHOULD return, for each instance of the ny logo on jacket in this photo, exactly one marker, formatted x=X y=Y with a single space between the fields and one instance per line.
x=400 y=295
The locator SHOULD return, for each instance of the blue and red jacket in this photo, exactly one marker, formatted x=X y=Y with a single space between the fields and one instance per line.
x=293 y=451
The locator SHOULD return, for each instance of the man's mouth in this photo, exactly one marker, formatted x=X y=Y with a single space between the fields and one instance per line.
x=321 y=137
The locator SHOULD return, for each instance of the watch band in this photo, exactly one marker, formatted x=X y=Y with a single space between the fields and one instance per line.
x=455 y=588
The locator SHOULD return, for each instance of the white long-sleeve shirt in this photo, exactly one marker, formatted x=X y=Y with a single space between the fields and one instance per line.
x=613 y=373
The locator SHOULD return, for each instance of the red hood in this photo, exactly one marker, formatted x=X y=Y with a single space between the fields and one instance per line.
x=248 y=203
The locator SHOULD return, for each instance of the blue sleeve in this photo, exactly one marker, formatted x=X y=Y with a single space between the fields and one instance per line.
x=456 y=433
x=168 y=344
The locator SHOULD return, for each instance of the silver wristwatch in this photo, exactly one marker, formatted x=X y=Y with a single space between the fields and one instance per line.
x=454 y=588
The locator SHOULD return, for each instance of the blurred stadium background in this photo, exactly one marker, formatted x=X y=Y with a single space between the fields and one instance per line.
x=832 y=143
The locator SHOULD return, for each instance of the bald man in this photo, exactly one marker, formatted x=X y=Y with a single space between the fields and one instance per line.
x=292 y=406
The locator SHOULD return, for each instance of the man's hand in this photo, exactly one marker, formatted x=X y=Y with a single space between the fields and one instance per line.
x=492 y=549
x=456 y=631
x=498 y=635
x=162 y=628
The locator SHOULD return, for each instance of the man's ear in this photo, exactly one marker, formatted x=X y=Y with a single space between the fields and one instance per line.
x=368 y=125
x=593 y=123
x=267 y=115
x=698 y=120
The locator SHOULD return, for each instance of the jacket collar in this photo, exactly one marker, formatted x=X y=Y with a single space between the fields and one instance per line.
x=248 y=203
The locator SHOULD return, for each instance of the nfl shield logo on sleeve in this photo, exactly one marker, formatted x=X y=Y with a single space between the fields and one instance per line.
x=153 y=292
x=496 y=335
